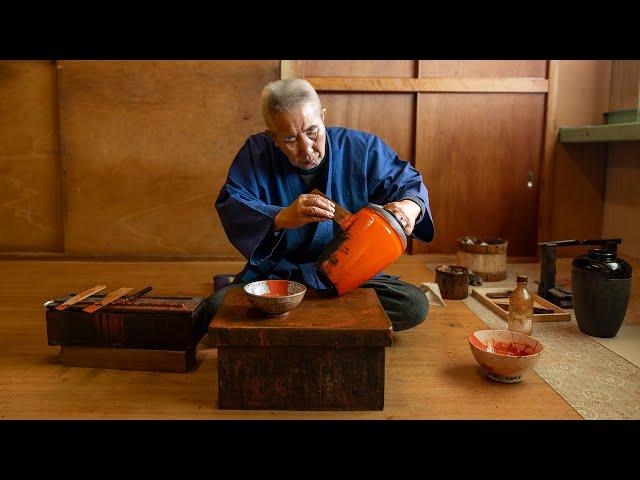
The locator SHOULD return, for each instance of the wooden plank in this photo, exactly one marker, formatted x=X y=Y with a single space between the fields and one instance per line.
x=359 y=68
x=560 y=315
x=622 y=197
x=617 y=132
x=128 y=359
x=545 y=178
x=291 y=69
x=113 y=296
x=483 y=68
x=80 y=296
x=487 y=145
x=578 y=194
x=355 y=319
x=390 y=116
x=128 y=171
x=301 y=378
x=384 y=84
x=30 y=173
x=625 y=83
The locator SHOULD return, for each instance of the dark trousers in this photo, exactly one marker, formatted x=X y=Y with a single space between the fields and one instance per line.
x=405 y=305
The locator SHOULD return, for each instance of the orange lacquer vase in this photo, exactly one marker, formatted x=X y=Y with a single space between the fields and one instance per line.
x=369 y=241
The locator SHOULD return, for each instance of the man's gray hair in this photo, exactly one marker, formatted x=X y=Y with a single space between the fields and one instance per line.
x=284 y=96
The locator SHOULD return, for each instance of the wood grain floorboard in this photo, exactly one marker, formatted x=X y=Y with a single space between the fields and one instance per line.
x=430 y=372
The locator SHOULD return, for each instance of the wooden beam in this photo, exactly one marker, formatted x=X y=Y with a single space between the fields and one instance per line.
x=291 y=69
x=545 y=198
x=177 y=361
x=381 y=84
x=617 y=132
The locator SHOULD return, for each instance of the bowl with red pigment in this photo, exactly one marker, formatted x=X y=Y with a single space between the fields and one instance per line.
x=504 y=355
x=275 y=297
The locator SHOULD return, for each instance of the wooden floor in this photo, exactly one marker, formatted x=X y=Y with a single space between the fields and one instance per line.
x=430 y=373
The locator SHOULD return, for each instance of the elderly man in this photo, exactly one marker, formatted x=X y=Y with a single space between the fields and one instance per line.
x=281 y=229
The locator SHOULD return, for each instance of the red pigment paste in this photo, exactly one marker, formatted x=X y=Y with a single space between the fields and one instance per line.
x=503 y=348
x=509 y=349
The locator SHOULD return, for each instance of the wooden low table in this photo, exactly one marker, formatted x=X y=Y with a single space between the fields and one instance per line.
x=326 y=354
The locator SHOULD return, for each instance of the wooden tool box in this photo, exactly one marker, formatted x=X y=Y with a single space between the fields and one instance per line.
x=150 y=333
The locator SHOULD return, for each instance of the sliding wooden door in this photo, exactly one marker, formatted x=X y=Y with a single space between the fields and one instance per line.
x=474 y=129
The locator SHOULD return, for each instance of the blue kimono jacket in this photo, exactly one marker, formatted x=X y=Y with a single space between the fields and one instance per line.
x=361 y=169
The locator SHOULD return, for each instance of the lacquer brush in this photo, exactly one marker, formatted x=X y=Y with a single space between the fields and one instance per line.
x=138 y=294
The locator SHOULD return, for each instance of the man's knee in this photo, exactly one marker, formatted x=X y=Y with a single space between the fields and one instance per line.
x=415 y=311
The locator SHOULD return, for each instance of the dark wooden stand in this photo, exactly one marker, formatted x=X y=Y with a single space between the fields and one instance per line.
x=327 y=354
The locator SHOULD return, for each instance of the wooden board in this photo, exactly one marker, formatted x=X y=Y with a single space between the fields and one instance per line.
x=112 y=297
x=125 y=156
x=359 y=68
x=560 y=315
x=487 y=144
x=31 y=203
x=483 y=68
x=177 y=361
x=355 y=319
x=362 y=112
x=80 y=296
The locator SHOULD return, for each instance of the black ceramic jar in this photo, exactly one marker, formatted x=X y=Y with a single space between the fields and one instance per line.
x=601 y=285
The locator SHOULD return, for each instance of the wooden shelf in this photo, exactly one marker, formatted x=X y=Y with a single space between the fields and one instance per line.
x=615 y=132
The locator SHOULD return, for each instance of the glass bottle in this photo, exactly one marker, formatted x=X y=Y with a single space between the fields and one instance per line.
x=521 y=308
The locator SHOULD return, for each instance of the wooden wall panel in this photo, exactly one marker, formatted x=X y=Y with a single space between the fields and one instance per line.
x=621 y=216
x=146 y=148
x=474 y=151
x=390 y=116
x=483 y=68
x=583 y=92
x=30 y=198
x=359 y=68
x=578 y=199
x=622 y=196
x=625 y=85
x=579 y=170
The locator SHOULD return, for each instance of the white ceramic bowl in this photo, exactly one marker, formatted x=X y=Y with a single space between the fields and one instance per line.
x=275 y=297
x=505 y=355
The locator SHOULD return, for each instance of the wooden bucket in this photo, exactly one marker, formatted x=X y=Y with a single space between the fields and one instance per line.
x=484 y=256
x=453 y=281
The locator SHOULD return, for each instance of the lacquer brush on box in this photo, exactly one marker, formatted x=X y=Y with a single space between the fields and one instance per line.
x=130 y=332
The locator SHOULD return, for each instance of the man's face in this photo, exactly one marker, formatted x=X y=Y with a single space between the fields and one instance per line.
x=300 y=134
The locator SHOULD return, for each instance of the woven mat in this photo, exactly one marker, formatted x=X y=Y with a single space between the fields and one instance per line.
x=596 y=382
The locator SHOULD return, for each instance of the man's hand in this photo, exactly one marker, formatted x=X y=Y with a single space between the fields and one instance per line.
x=406 y=211
x=307 y=208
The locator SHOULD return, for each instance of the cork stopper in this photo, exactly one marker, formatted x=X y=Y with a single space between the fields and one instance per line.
x=522 y=279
